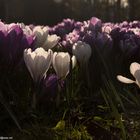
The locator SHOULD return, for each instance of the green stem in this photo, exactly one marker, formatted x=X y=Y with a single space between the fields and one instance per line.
x=36 y=91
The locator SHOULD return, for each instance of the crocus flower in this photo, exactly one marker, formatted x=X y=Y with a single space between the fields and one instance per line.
x=27 y=31
x=51 y=41
x=106 y=29
x=41 y=34
x=51 y=85
x=63 y=28
x=82 y=51
x=61 y=63
x=95 y=24
x=49 y=90
x=135 y=71
x=13 y=42
x=71 y=38
x=38 y=62
x=102 y=40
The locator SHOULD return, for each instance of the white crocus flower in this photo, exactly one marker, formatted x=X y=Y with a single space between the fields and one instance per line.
x=27 y=31
x=61 y=63
x=41 y=34
x=51 y=41
x=82 y=51
x=38 y=62
x=135 y=71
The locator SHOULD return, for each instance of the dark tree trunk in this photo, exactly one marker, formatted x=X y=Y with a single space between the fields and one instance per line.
x=132 y=10
x=118 y=10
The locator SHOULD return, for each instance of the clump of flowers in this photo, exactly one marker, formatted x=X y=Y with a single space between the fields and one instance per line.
x=51 y=53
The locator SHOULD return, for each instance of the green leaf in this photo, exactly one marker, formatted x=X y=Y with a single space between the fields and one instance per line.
x=103 y=107
x=60 y=125
x=133 y=97
x=97 y=118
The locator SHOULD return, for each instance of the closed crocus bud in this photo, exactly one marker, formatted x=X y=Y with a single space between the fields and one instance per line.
x=95 y=24
x=51 y=41
x=61 y=63
x=38 y=62
x=82 y=51
x=41 y=34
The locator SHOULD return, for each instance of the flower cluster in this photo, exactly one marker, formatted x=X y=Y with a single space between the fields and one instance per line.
x=125 y=36
x=51 y=53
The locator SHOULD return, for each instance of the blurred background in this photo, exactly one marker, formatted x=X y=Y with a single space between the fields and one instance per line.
x=51 y=12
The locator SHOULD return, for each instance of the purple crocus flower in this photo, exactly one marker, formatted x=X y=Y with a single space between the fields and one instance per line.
x=78 y=25
x=50 y=87
x=63 y=28
x=124 y=24
x=95 y=24
x=51 y=83
x=115 y=33
x=72 y=37
x=103 y=40
x=12 y=44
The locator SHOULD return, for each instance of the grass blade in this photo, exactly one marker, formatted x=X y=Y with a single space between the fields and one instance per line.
x=6 y=106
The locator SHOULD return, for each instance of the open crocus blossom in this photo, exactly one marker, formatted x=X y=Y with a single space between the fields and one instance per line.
x=38 y=62
x=51 y=41
x=135 y=71
x=61 y=63
x=82 y=51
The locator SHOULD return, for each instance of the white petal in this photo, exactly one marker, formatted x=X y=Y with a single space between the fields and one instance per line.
x=125 y=80
x=74 y=61
x=46 y=29
x=66 y=63
x=41 y=35
x=134 y=67
x=43 y=60
x=61 y=63
x=28 y=61
x=38 y=62
x=53 y=61
x=135 y=71
x=51 y=41
x=48 y=60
